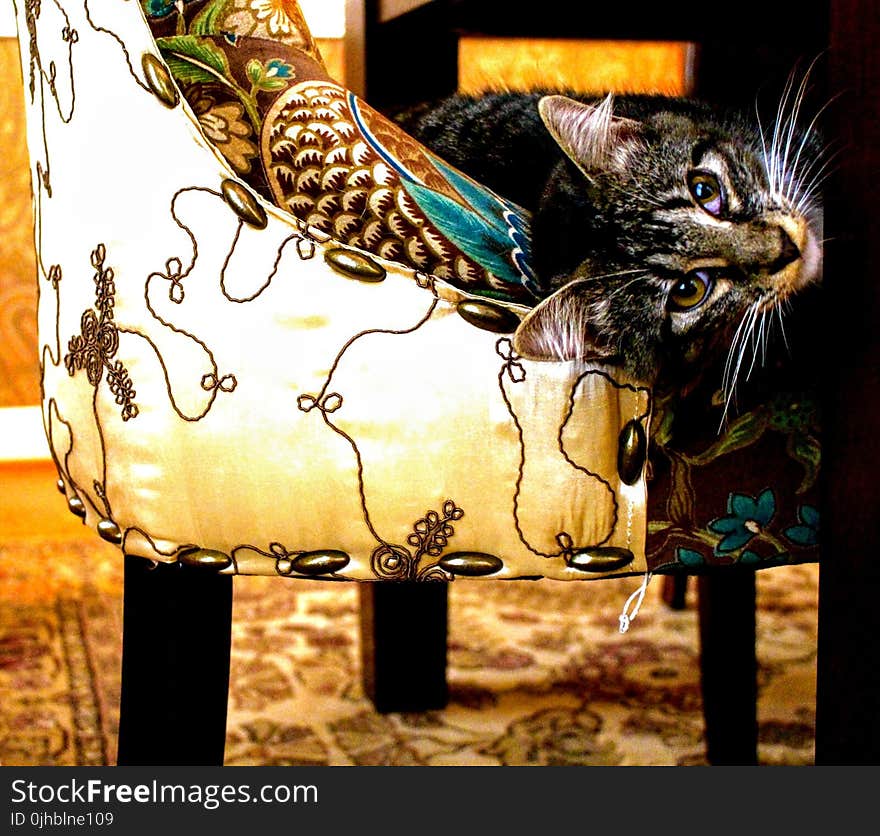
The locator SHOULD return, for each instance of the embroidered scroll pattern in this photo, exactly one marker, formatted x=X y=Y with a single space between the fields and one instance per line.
x=430 y=537
x=513 y=373
x=95 y=347
x=430 y=534
x=163 y=298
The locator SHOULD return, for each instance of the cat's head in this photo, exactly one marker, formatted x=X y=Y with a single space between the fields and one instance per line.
x=668 y=227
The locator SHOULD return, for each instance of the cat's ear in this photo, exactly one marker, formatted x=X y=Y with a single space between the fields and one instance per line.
x=591 y=135
x=562 y=327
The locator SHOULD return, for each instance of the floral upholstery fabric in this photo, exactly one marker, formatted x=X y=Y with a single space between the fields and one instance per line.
x=174 y=396
x=327 y=157
x=746 y=494
x=226 y=384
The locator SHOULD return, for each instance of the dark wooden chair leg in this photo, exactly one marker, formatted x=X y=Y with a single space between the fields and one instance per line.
x=675 y=591
x=176 y=639
x=403 y=644
x=728 y=666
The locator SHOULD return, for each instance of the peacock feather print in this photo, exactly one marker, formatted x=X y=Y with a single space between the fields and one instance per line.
x=351 y=173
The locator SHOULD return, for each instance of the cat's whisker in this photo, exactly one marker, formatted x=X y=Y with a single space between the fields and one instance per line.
x=807 y=201
x=771 y=162
x=650 y=199
x=817 y=178
x=822 y=157
x=810 y=198
x=775 y=172
x=734 y=360
x=754 y=340
x=761 y=133
x=779 y=187
x=785 y=308
x=736 y=357
x=623 y=287
x=779 y=314
x=792 y=124
x=614 y=275
x=768 y=333
x=732 y=350
x=727 y=385
x=763 y=333
x=747 y=337
x=762 y=340
x=784 y=186
x=782 y=164
x=797 y=181
x=819 y=164
x=786 y=305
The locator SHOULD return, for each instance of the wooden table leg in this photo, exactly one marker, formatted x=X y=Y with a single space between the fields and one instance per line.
x=176 y=640
x=729 y=666
x=403 y=644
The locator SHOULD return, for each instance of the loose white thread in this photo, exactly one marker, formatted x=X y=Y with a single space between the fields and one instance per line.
x=626 y=618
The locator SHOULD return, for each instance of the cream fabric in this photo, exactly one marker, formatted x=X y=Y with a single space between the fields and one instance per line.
x=215 y=385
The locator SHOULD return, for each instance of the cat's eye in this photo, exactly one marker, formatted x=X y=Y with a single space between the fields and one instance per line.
x=707 y=191
x=690 y=291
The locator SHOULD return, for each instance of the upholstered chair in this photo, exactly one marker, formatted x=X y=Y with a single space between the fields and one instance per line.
x=277 y=338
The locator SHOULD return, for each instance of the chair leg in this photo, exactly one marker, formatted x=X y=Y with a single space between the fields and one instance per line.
x=176 y=640
x=675 y=591
x=728 y=666
x=403 y=644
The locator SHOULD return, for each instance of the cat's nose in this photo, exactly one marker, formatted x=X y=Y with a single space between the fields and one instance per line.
x=788 y=252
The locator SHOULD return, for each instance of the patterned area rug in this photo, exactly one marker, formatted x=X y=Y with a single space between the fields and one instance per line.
x=538 y=672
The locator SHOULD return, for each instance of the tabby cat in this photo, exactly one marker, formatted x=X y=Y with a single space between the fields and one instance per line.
x=660 y=224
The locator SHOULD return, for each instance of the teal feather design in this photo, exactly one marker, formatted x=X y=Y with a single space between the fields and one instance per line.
x=491 y=231
x=510 y=222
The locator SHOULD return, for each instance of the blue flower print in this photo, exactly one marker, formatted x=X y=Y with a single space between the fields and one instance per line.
x=272 y=76
x=159 y=8
x=689 y=557
x=807 y=533
x=746 y=518
x=278 y=69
